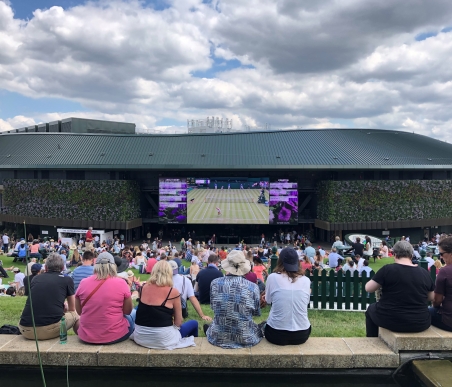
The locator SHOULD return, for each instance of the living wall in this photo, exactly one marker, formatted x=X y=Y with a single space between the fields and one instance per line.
x=108 y=200
x=386 y=200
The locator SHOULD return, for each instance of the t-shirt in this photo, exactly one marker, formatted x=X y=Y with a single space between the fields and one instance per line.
x=258 y=270
x=444 y=286
x=150 y=265
x=19 y=277
x=358 y=248
x=306 y=266
x=332 y=259
x=5 y=239
x=80 y=273
x=204 y=279
x=178 y=261
x=48 y=291
x=222 y=254
x=26 y=279
x=403 y=301
x=102 y=319
x=289 y=302
x=34 y=249
x=178 y=283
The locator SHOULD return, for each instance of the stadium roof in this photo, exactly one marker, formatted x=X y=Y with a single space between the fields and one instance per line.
x=327 y=149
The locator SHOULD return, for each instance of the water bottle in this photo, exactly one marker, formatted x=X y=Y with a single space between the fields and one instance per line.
x=63 y=331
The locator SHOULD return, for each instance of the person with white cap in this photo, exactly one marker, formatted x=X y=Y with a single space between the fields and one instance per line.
x=185 y=288
x=289 y=292
x=234 y=301
x=104 y=304
x=49 y=291
x=18 y=278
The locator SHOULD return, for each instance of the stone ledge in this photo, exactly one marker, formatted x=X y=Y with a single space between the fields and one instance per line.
x=433 y=339
x=316 y=353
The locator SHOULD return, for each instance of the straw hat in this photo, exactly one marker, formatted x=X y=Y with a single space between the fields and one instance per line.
x=73 y=247
x=236 y=263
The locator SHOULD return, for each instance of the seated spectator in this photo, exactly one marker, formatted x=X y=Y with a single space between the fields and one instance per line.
x=289 y=292
x=366 y=268
x=150 y=264
x=75 y=256
x=339 y=265
x=349 y=266
x=3 y=292
x=205 y=278
x=185 y=288
x=359 y=262
x=104 y=304
x=159 y=314
x=11 y=291
x=34 y=250
x=306 y=263
x=3 y=272
x=333 y=258
x=259 y=269
x=441 y=312
x=139 y=262
x=122 y=264
x=384 y=251
x=406 y=290
x=234 y=301
x=18 y=278
x=34 y=270
x=134 y=283
x=85 y=270
x=49 y=291
x=194 y=270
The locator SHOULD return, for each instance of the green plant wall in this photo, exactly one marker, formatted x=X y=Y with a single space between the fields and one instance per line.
x=109 y=200
x=386 y=200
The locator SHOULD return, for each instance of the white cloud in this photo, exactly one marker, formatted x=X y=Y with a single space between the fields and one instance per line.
x=314 y=64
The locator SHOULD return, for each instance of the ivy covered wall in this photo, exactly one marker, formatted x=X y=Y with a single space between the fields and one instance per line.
x=99 y=200
x=384 y=200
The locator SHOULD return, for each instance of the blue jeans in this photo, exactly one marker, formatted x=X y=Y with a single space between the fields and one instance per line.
x=183 y=270
x=436 y=319
x=189 y=328
x=131 y=329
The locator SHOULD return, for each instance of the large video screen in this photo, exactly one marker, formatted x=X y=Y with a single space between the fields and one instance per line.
x=228 y=200
x=283 y=205
x=172 y=200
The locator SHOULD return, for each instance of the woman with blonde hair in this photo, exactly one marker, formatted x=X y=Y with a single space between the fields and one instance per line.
x=104 y=304
x=75 y=258
x=159 y=315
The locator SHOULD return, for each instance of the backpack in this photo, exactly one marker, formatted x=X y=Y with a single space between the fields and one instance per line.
x=9 y=330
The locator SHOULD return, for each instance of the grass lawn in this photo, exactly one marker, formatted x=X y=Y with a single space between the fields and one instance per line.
x=324 y=323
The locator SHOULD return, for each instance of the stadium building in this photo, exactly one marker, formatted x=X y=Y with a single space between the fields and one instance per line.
x=71 y=174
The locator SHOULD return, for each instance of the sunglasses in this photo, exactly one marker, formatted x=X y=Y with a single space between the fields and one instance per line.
x=444 y=252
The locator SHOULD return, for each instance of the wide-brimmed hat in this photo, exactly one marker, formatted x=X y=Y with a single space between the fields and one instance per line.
x=289 y=259
x=73 y=247
x=121 y=263
x=236 y=263
x=130 y=273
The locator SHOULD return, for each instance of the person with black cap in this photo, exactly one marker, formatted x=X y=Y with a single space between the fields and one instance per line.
x=288 y=291
x=35 y=270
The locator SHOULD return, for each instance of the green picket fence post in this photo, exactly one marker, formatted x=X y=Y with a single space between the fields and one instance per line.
x=332 y=289
x=364 y=281
x=323 y=290
x=339 y=289
x=307 y=274
x=348 y=288
x=315 y=290
x=356 y=281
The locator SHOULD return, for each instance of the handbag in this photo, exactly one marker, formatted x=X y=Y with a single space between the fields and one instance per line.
x=92 y=293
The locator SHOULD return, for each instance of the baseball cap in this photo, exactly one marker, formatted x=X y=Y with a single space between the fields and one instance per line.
x=36 y=267
x=174 y=267
x=104 y=258
x=16 y=269
x=289 y=259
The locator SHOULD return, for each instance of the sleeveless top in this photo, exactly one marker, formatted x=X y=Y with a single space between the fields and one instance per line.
x=155 y=316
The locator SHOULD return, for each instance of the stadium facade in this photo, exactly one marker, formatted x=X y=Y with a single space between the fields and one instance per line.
x=64 y=174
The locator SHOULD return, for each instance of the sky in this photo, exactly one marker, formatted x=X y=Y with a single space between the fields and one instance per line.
x=287 y=63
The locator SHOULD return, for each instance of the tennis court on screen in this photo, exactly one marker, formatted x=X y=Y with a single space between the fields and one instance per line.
x=226 y=206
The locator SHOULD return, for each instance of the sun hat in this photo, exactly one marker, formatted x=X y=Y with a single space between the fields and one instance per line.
x=36 y=267
x=174 y=267
x=73 y=247
x=121 y=263
x=289 y=259
x=22 y=242
x=129 y=273
x=236 y=263
x=104 y=258
x=16 y=269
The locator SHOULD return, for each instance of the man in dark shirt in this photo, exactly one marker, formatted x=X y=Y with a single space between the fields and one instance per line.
x=357 y=247
x=205 y=277
x=49 y=291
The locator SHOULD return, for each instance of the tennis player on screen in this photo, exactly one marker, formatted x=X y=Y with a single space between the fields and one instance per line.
x=218 y=210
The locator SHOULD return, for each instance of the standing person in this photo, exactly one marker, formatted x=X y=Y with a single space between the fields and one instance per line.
x=104 y=304
x=96 y=241
x=289 y=292
x=158 y=321
x=234 y=301
x=89 y=239
x=262 y=239
x=406 y=290
x=49 y=291
x=84 y=271
x=5 y=240
x=441 y=312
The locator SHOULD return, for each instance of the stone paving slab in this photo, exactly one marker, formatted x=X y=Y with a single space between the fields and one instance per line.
x=432 y=339
x=371 y=350
x=317 y=352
